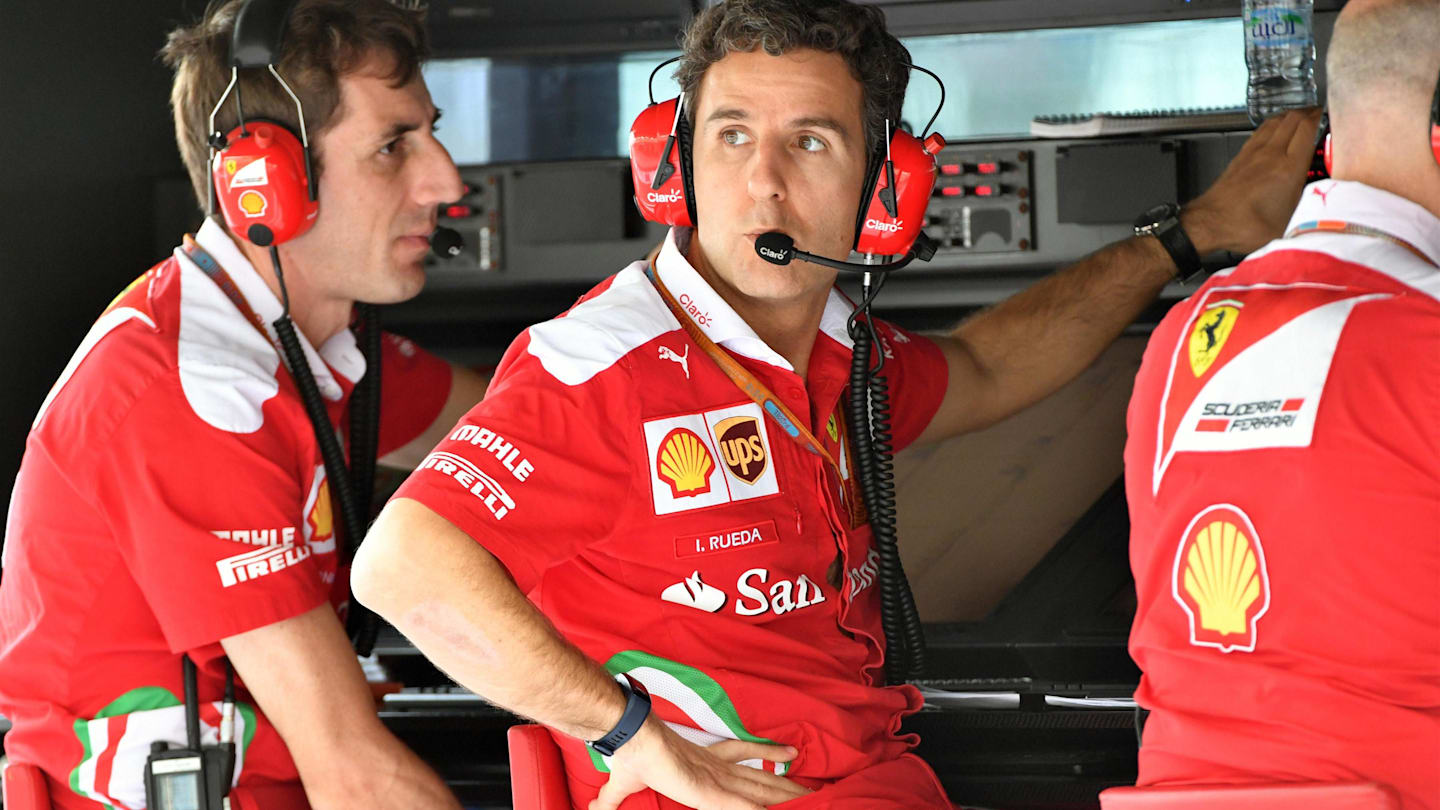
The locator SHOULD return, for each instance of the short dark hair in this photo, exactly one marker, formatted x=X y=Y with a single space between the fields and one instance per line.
x=857 y=33
x=324 y=40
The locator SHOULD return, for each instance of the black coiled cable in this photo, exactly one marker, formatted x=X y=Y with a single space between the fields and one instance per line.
x=361 y=623
x=869 y=411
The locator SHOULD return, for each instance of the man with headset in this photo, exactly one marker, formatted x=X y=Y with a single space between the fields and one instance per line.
x=1283 y=463
x=657 y=489
x=172 y=499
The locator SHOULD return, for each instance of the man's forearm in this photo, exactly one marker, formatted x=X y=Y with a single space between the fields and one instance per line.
x=380 y=776
x=458 y=605
x=302 y=673
x=1032 y=343
x=1013 y=355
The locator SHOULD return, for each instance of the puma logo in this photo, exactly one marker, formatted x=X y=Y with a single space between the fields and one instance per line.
x=1323 y=195
x=667 y=353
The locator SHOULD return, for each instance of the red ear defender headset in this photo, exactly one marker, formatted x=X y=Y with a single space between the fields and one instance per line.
x=891 y=218
x=899 y=181
x=260 y=175
x=1434 y=133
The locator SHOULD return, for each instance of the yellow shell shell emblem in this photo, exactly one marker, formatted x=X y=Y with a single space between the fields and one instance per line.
x=1212 y=329
x=253 y=203
x=322 y=522
x=684 y=462
x=1221 y=580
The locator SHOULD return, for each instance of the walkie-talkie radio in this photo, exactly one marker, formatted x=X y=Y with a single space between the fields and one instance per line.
x=195 y=777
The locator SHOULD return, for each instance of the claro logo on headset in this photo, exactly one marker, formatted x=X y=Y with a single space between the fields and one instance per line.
x=666 y=197
x=887 y=227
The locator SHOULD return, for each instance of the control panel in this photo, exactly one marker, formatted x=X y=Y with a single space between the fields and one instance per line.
x=982 y=201
x=1004 y=213
x=476 y=217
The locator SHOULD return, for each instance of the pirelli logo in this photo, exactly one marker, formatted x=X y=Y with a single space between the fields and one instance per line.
x=489 y=491
x=258 y=563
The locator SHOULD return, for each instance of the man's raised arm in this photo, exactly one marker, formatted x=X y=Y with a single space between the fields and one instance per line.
x=1016 y=353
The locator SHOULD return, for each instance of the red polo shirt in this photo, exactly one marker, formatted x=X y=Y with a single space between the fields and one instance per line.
x=171 y=495
x=673 y=532
x=1283 y=475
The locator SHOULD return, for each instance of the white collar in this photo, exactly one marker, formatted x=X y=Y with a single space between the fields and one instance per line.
x=340 y=352
x=1361 y=204
x=718 y=320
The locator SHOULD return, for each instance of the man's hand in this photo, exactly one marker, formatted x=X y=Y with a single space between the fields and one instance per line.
x=1252 y=200
x=696 y=776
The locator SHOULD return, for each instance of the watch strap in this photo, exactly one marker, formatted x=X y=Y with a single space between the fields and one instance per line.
x=637 y=709
x=1182 y=251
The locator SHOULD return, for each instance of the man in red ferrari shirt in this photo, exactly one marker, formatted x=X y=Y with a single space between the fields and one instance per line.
x=1283 y=465
x=172 y=498
x=619 y=508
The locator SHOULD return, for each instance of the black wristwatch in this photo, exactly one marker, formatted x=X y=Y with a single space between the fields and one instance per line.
x=1163 y=223
x=637 y=708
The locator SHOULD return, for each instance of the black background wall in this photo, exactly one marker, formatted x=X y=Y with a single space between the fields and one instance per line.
x=85 y=135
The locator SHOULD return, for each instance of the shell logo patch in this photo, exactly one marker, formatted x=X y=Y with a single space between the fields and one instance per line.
x=253 y=203
x=321 y=519
x=1220 y=579
x=684 y=462
x=1212 y=329
x=319 y=526
x=740 y=447
x=683 y=450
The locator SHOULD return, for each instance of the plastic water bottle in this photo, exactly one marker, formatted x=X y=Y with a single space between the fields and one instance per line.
x=1280 y=52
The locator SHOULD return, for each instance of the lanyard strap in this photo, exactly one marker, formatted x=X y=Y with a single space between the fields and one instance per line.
x=744 y=380
x=217 y=274
x=1341 y=226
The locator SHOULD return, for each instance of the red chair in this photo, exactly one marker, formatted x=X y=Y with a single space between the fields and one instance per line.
x=25 y=787
x=1272 y=796
x=537 y=774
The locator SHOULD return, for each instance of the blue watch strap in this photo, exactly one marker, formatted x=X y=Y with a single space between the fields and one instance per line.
x=637 y=708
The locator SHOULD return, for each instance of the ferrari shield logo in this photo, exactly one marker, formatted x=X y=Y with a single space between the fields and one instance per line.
x=1212 y=329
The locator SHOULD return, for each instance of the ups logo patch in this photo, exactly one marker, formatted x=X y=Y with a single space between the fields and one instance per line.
x=741 y=447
